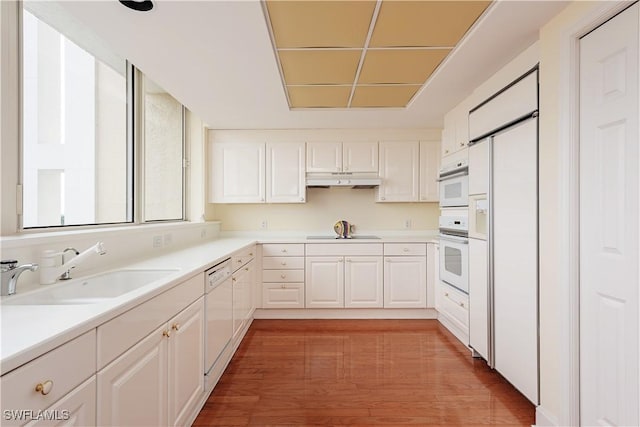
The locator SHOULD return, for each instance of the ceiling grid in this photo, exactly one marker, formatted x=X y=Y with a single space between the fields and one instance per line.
x=363 y=53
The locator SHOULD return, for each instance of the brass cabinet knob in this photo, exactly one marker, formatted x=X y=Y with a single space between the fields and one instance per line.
x=176 y=326
x=302 y=199
x=45 y=387
x=166 y=334
x=446 y=151
x=250 y=253
x=233 y=279
x=462 y=144
x=240 y=261
x=283 y=286
x=284 y=250
x=446 y=294
x=283 y=263
x=405 y=249
x=461 y=304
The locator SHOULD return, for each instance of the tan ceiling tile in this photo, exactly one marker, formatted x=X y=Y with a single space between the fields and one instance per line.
x=319 y=66
x=319 y=96
x=424 y=23
x=400 y=65
x=383 y=96
x=320 y=23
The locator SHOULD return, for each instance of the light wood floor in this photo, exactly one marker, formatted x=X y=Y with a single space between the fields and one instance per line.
x=359 y=372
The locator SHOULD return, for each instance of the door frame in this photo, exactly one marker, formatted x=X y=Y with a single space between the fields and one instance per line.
x=569 y=209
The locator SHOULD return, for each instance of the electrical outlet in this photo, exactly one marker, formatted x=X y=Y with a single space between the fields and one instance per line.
x=168 y=239
x=407 y=224
x=157 y=241
x=264 y=224
x=203 y=233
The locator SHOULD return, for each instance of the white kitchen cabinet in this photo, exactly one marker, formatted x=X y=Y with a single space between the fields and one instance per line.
x=399 y=171
x=363 y=285
x=283 y=295
x=132 y=390
x=455 y=135
x=283 y=275
x=186 y=363
x=324 y=282
x=433 y=276
x=405 y=282
x=429 y=169
x=151 y=383
x=360 y=157
x=77 y=409
x=242 y=280
x=454 y=311
x=236 y=172
x=51 y=378
x=352 y=157
x=478 y=298
x=286 y=172
x=479 y=168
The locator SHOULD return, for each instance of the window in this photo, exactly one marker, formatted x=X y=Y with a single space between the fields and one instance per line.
x=163 y=154
x=79 y=132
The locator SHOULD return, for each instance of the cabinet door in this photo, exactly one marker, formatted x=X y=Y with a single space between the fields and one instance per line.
x=462 y=127
x=433 y=264
x=286 y=172
x=324 y=284
x=132 y=390
x=479 y=168
x=239 y=281
x=237 y=172
x=363 y=281
x=478 y=292
x=186 y=362
x=283 y=295
x=360 y=157
x=399 y=171
x=324 y=157
x=405 y=282
x=429 y=168
x=448 y=134
x=78 y=407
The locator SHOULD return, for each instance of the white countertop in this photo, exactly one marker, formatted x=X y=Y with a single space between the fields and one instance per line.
x=28 y=331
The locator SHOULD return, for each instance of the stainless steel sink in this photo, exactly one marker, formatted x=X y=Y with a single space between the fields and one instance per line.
x=354 y=237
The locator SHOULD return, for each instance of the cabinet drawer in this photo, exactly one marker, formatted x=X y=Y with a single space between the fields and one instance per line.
x=283 y=249
x=344 y=249
x=283 y=295
x=59 y=371
x=405 y=248
x=455 y=305
x=119 y=334
x=282 y=263
x=286 y=276
x=242 y=257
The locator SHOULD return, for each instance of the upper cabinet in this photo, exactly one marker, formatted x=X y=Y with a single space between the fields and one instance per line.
x=354 y=157
x=237 y=172
x=255 y=172
x=399 y=171
x=286 y=172
x=455 y=135
x=409 y=171
x=429 y=167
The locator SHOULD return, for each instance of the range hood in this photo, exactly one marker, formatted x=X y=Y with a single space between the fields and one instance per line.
x=343 y=180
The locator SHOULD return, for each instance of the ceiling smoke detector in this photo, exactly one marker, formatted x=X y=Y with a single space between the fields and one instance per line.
x=141 y=6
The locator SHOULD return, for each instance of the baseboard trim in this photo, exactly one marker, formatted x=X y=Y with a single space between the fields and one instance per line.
x=346 y=313
x=544 y=418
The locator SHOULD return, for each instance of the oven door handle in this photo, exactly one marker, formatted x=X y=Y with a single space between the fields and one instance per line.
x=450 y=238
x=453 y=175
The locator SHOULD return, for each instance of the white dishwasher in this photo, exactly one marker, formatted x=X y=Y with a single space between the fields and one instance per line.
x=219 y=312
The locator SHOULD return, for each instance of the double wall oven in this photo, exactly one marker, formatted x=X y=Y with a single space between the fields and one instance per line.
x=454 y=225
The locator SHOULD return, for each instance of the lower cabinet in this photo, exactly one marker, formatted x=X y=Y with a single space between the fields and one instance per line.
x=405 y=282
x=157 y=381
x=78 y=408
x=283 y=295
x=343 y=281
x=242 y=281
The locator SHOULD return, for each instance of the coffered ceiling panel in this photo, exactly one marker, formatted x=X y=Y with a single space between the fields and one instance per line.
x=319 y=96
x=328 y=48
x=400 y=65
x=383 y=96
x=424 y=23
x=300 y=24
x=319 y=66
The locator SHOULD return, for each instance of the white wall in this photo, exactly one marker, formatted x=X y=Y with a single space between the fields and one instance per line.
x=325 y=206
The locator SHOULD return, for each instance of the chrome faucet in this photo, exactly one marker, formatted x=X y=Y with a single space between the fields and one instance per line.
x=10 y=274
x=67 y=274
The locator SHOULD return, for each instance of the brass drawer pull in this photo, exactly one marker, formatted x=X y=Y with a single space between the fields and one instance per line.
x=176 y=326
x=44 y=388
x=166 y=334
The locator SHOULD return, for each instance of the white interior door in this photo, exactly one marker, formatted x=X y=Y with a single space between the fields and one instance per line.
x=515 y=256
x=609 y=223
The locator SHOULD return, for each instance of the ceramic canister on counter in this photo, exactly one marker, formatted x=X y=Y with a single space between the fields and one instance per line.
x=342 y=229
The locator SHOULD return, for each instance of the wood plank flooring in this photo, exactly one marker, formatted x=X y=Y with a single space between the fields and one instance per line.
x=359 y=372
